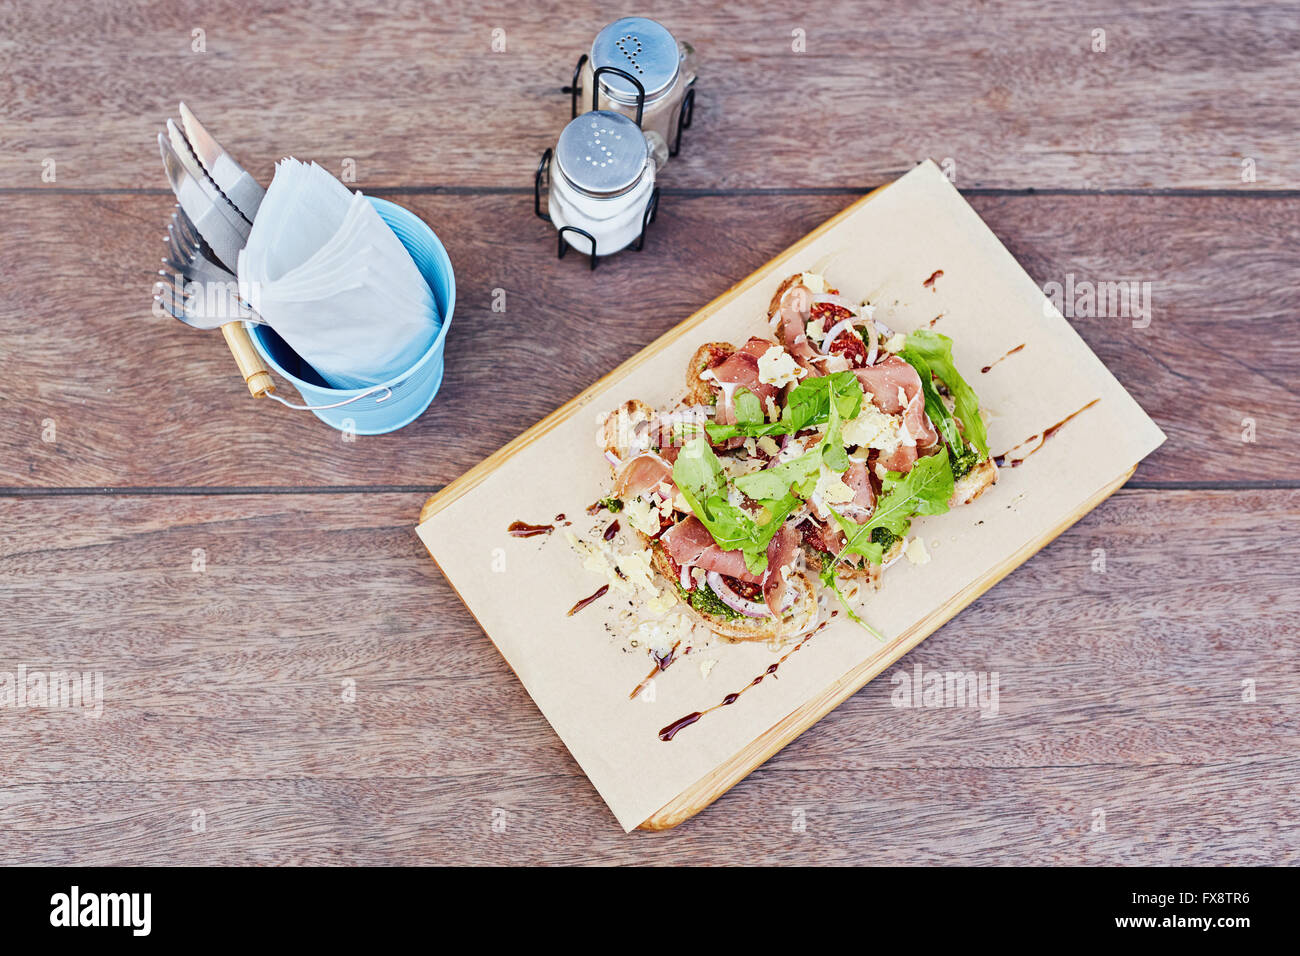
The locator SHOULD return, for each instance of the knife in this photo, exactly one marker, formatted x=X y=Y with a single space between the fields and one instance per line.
x=205 y=206
x=225 y=231
x=231 y=178
x=195 y=168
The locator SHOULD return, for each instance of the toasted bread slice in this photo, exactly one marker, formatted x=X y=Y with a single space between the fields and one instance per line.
x=775 y=305
x=866 y=572
x=974 y=483
x=626 y=428
x=797 y=618
x=701 y=391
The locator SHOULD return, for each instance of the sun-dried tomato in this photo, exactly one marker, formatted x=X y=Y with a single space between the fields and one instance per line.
x=829 y=313
x=853 y=348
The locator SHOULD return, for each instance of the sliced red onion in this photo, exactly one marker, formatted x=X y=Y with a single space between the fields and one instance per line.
x=613 y=459
x=733 y=600
x=834 y=333
x=873 y=343
x=685 y=578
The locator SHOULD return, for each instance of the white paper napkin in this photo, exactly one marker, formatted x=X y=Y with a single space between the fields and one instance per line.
x=329 y=276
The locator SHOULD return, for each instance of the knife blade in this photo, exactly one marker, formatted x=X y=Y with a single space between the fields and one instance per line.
x=195 y=168
x=232 y=179
x=203 y=205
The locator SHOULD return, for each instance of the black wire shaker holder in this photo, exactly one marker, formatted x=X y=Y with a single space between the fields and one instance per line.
x=562 y=244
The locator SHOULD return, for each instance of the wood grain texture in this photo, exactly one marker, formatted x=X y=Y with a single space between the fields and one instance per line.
x=1120 y=691
x=1012 y=92
x=166 y=408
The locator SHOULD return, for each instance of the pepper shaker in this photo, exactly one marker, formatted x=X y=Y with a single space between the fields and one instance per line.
x=638 y=68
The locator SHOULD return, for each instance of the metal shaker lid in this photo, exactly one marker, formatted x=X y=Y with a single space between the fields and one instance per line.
x=641 y=47
x=602 y=153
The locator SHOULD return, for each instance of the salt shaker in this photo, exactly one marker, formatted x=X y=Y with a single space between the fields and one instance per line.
x=638 y=68
x=602 y=191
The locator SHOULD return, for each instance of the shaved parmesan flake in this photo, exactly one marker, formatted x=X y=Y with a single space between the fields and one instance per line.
x=636 y=568
x=661 y=602
x=872 y=428
x=831 y=488
x=642 y=515
x=776 y=367
x=816 y=284
x=622 y=572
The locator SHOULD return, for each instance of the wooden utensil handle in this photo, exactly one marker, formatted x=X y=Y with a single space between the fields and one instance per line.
x=256 y=376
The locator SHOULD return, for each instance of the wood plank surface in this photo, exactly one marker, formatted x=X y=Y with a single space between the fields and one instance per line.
x=1012 y=92
x=139 y=401
x=127 y=442
x=223 y=692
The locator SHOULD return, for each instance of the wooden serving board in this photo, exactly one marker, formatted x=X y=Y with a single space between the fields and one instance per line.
x=916 y=250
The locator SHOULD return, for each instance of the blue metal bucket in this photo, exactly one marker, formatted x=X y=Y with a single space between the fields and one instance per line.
x=399 y=401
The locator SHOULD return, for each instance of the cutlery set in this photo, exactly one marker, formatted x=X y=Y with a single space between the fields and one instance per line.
x=216 y=202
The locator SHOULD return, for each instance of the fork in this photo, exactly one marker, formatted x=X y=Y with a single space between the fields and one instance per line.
x=190 y=257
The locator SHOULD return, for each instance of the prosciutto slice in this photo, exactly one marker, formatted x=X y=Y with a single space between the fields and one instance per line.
x=780 y=553
x=641 y=474
x=796 y=307
x=740 y=370
x=690 y=544
x=901 y=459
x=884 y=381
x=864 y=496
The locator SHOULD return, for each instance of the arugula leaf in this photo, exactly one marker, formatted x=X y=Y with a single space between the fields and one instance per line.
x=808 y=405
x=934 y=407
x=828 y=579
x=832 y=444
x=798 y=475
x=748 y=409
x=962 y=455
x=924 y=490
x=699 y=477
x=935 y=350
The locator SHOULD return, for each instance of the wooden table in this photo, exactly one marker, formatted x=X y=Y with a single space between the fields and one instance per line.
x=232 y=568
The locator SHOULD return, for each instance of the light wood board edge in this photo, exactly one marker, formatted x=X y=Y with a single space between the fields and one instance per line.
x=702 y=793
x=479 y=472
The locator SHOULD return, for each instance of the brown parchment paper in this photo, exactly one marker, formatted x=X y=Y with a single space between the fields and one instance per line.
x=579 y=670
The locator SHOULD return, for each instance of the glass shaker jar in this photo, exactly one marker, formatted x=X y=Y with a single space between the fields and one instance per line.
x=602 y=183
x=664 y=69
